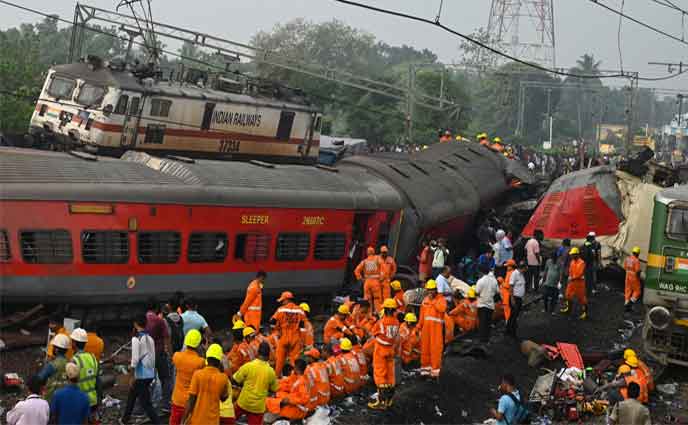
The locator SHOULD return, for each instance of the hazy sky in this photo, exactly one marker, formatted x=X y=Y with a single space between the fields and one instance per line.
x=581 y=26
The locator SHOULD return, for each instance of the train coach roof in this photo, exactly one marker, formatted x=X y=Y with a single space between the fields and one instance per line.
x=679 y=193
x=125 y=80
x=38 y=175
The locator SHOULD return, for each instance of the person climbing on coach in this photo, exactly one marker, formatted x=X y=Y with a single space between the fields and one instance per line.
x=575 y=289
x=632 y=284
x=370 y=271
x=431 y=323
x=289 y=319
x=389 y=269
x=386 y=334
x=251 y=309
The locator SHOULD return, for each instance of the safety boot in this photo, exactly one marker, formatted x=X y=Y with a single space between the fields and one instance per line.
x=584 y=315
x=390 y=397
x=380 y=403
x=566 y=309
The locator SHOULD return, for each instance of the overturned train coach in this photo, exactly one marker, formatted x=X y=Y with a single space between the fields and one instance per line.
x=92 y=230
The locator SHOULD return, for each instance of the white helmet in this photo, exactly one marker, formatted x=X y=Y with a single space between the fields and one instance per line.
x=61 y=341
x=79 y=335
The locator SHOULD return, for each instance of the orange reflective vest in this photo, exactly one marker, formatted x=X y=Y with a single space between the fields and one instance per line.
x=409 y=342
x=312 y=377
x=638 y=379
x=336 y=375
x=399 y=298
x=322 y=383
x=465 y=315
x=352 y=373
x=335 y=329
x=251 y=308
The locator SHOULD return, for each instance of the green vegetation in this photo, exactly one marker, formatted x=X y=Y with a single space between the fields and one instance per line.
x=488 y=99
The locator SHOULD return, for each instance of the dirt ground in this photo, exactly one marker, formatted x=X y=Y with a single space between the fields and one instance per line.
x=467 y=388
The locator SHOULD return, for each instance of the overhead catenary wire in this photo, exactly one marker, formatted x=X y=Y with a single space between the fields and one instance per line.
x=618 y=37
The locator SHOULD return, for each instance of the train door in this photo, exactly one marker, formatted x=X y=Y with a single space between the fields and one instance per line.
x=131 y=121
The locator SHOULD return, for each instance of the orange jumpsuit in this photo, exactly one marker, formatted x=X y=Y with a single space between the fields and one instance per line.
x=399 y=298
x=647 y=374
x=335 y=329
x=312 y=377
x=448 y=329
x=307 y=334
x=253 y=304
x=410 y=343
x=321 y=379
x=632 y=287
x=386 y=333
x=370 y=270
x=336 y=375
x=235 y=360
x=298 y=400
x=289 y=318
x=389 y=269
x=576 y=286
x=352 y=373
x=505 y=293
x=465 y=315
x=431 y=323
x=638 y=379
x=362 y=362
x=255 y=344
x=361 y=322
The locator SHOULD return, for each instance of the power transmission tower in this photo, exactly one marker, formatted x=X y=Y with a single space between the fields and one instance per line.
x=524 y=29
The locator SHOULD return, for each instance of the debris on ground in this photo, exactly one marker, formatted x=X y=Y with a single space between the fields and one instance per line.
x=668 y=389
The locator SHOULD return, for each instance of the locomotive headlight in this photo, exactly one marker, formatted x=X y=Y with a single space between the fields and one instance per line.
x=107 y=110
x=659 y=317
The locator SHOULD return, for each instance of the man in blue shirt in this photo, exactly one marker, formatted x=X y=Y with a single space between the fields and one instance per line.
x=506 y=408
x=487 y=259
x=70 y=405
x=193 y=320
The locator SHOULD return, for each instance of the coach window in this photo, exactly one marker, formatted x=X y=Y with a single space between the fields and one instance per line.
x=122 y=102
x=61 y=88
x=286 y=122
x=330 y=246
x=155 y=133
x=104 y=247
x=5 y=254
x=677 y=223
x=159 y=247
x=207 y=247
x=90 y=95
x=46 y=246
x=160 y=107
x=134 y=106
x=252 y=247
x=292 y=246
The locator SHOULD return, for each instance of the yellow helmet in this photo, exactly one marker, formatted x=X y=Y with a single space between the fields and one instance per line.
x=343 y=309
x=305 y=307
x=214 y=352
x=629 y=353
x=636 y=250
x=248 y=331
x=574 y=250
x=431 y=284
x=193 y=338
x=410 y=318
x=624 y=368
x=632 y=361
x=471 y=292
x=345 y=344
x=396 y=285
x=389 y=303
x=239 y=324
x=497 y=140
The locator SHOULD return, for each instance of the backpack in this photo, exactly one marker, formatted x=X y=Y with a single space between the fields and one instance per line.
x=522 y=413
x=176 y=333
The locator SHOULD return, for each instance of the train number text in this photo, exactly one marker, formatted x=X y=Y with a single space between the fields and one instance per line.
x=229 y=146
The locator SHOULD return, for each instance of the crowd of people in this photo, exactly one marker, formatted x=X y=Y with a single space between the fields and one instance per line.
x=280 y=367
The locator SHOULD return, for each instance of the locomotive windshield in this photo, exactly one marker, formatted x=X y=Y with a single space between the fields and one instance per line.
x=677 y=224
x=90 y=94
x=61 y=88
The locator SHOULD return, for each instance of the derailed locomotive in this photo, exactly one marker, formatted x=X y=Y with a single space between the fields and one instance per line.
x=95 y=230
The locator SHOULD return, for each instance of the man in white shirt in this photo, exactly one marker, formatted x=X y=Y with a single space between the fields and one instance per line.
x=486 y=288
x=443 y=286
x=33 y=410
x=517 y=282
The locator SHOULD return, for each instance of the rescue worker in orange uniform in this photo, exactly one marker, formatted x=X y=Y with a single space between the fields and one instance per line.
x=625 y=376
x=389 y=269
x=246 y=349
x=311 y=356
x=632 y=287
x=446 y=137
x=386 y=334
x=497 y=145
x=321 y=377
x=398 y=294
x=251 y=309
x=350 y=367
x=289 y=321
x=483 y=140
x=576 y=286
x=235 y=357
x=361 y=321
x=409 y=340
x=465 y=314
x=307 y=330
x=370 y=271
x=334 y=370
x=505 y=288
x=362 y=358
x=336 y=327
x=293 y=404
x=431 y=323
x=641 y=367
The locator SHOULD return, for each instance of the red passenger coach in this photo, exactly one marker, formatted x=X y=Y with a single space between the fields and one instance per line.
x=114 y=231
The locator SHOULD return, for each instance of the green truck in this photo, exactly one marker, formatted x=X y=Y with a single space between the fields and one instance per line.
x=665 y=333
